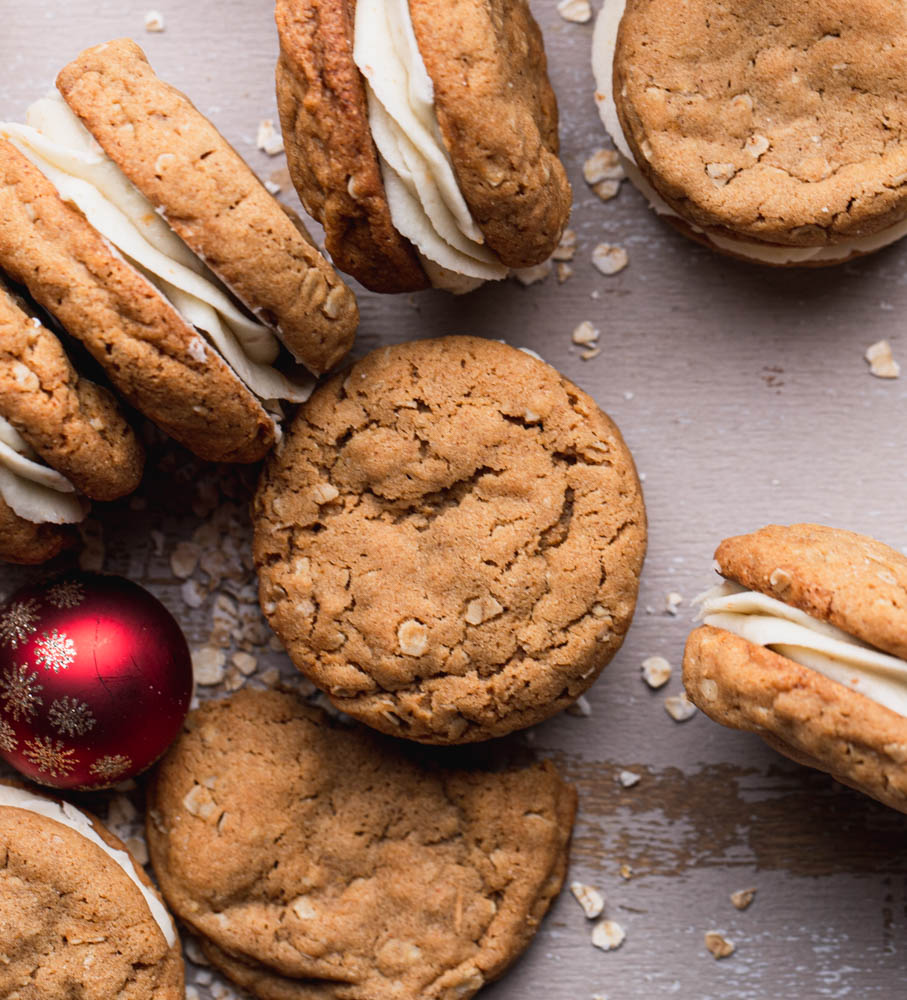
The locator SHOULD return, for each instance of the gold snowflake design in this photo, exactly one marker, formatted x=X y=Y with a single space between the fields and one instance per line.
x=49 y=756
x=67 y=594
x=111 y=766
x=8 y=741
x=56 y=651
x=18 y=622
x=20 y=691
x=71 y=717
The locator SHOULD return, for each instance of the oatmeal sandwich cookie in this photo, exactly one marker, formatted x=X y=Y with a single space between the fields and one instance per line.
x=63 y=440
x=774 y=132
x=194 y=318
x=423 y=136
x=449 y=540
x=78 y=915
x=805 y=643
x=319 y=860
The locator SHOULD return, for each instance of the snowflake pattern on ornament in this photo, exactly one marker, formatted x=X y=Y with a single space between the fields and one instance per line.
x=71 y=717
x=20 y=691
x=55 y=651
x=49 y=756
x=18 y=622
x=8 y=741
x=67 y=594
x=110 y=766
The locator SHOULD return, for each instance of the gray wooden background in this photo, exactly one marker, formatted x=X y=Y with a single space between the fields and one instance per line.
x=745 y=398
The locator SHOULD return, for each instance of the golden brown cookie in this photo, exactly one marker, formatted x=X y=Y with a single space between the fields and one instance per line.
x=152 y=356
x=73 y=424
x=74 y=920
x=783 y=127
x=837 y=719
x=449 y=540
x=211 y=199
x=322 y=861
x=510 y=175
x=30 y=544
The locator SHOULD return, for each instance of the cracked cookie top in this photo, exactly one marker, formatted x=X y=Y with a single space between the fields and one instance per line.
x=449 y=540
x=321 y=860
x=784 y=123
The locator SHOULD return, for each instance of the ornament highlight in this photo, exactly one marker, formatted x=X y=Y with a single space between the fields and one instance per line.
x=95 y=680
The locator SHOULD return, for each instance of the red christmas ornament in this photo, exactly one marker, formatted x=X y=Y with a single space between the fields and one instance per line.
x=95 y=680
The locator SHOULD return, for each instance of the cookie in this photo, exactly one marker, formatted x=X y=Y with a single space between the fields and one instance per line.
x=384 y=105
x=449 y=540
x=319 y=860
x=78 y=915
x=212 y=200
x=805 y=644
x=774 y=137
x=27 y=543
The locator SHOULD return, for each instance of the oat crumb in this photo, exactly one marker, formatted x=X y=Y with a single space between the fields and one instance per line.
x=566 y=248
x=585 y=334
x=589 y=898
x=881 y=360
x=629 y=778
x=608 y=935
x=580 y=707
x=603 y=165
x=679 y=707
x=718 y=944
x=743 y=898
x=269 y=139
x=656 y=671
x=673 y=600
x=154 y=21
x=576 y=11
x=590 y=353
x=527 y=276
x=626 y=872
x=564 y=272
x=610 y=259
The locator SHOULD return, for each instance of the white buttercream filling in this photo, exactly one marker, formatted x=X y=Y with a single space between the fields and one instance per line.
x=825 y=648
x=31 y=489
x=426 y=204
x=604 y=47
x=68 y=815
x=62 y=148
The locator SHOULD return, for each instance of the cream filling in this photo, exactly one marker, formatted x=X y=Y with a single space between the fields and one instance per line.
x=68 y=815
x=604 y=46
x=426 y=204
x=31 y=489
x=62 y=148
x=769 y=622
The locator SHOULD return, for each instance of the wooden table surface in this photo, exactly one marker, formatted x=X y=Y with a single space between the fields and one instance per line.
x=745 y=398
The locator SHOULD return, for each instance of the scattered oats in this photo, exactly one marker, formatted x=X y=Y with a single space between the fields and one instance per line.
x=780 y=579
x=720 y=173
x=742 y=102
x=580 y=708
x=412 y=636
x=756 y=145
x=208 y=665
x=138 y=849
x=629 y=778
x=585 y=334
x=679 y=707
x=743 y=898
x=626 y=872
x=192 y=594
x=610 y=259
x=564 y=272
x=270 y=677
x=269 y=139
x=154 y=21
x=120 y=811
x=603 y=165
x=576 y=11
x=482 y=609
x=184 y=559
x=233 y=680
x=527 y=276
x=608 y=935
x=566 y=248
x=656 y=671
x=719 y=945
x=673 y=600
x=589 y=898
x=606 y=190
x=708 y=689
x=199 y=802
x=325 y=493
x=192 y=993
x=590 y=353
x=272 y=187
x=245 y=663
x=881 y=360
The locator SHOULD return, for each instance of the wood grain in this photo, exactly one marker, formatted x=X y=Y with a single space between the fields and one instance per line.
x=745 y=398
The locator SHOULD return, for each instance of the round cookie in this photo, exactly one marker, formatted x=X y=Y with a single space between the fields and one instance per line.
x=29 y=544
x=318 y=860
x=847 y=720
x=78 y=916
x=779 y=137
x=449 y=540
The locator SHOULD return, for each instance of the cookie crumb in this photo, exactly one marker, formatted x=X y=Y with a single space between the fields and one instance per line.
x=610 y=259
x=575 y=11
x=656 y=671
x=626 y=872
x=589 y=898
x=673 y=600
x=603 y=165
x=269 y=139
x=585 y=334
x=245 y=663
x=580 y=707
x=742 y=898
x=881 y=360
x=154 y=21
x=608 y=935
x=527 y=276
x=564 y=272
x=606 y=190
x=679 y=707
x=629 y=778
x=590 y=353
x=719 y=945
x=566 y=248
